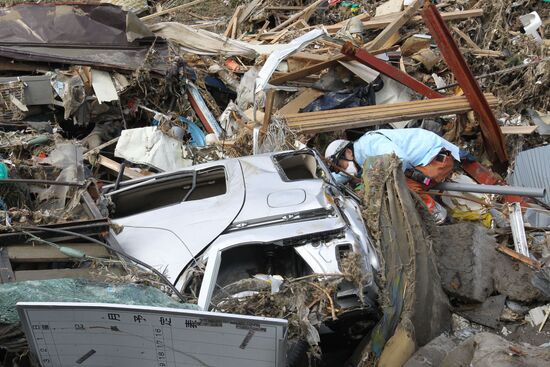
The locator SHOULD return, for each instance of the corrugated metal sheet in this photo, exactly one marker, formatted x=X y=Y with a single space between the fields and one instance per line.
x=532 y=169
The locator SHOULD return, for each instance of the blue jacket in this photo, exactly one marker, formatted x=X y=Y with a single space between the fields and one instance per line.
x=415 y=147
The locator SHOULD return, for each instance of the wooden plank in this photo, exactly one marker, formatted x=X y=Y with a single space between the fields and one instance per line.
x=86 y=273
x=227 y=32
x=115 y=167
x=235 y=27
x=482 y=53
x=524 y=259
x=284 y=7
x=6 y=272
x=298 y=64
x=45 y=253
x=269 y=98
x=518 y=130
x=308 y=56
x=307 y=71
x=279 y=36
x=171 y=10
x=299 y=14
x=348 y=118
x=396 y=107
x=378 y=43
x=389 y=7
x=248 y=9
x=300 y=101
x=100 y=147
x=466 y=38
x=394 y=27
x=363 y=17
x=385 y=20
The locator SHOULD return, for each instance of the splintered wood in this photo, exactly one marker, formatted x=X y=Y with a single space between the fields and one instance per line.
x=349 y=118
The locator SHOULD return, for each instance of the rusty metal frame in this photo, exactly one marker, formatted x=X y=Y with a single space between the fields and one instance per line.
x=366 y=58
x=494 y=142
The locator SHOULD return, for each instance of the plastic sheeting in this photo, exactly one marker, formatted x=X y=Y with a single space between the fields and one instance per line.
x=357 y=97
x=68 y=157
x=279 y=55
x=150 y=146
x=80 y=290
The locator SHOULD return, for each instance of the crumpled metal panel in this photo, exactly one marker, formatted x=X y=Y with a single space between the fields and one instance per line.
x=532 y=170
x=100 y=35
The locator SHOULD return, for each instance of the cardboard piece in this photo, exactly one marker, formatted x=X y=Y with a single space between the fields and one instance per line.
x=300 y=101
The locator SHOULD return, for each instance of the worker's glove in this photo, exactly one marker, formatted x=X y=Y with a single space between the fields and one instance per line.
x=418 y=176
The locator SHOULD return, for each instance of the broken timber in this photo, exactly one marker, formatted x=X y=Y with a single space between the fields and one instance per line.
x=385 y=20
x=394 y=26
x=390 y=29
x=349 y=118
x=364 y=57
x=524 y=259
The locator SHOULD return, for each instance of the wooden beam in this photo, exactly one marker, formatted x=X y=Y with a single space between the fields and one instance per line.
x=269 y=98
x=518 y=130
x=519 y=257
x=377 y=44
x=394 y=27
x=300 y=101
x=115 y=167
x=482 y=53
x=299 y=74
x=99 y=147
x=466 y=38
x=347 y=118
x=306 y=11
x=284 y=7
x=232 y=26
x=385 y=20
x=308 y=56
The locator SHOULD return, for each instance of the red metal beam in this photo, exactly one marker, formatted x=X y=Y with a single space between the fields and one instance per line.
x=366 y=58
x=195 y=106
x=494 y=142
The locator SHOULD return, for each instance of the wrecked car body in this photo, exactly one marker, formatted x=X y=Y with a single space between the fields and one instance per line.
x=219 y=223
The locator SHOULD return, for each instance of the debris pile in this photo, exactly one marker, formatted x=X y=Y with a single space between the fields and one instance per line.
x=110 y=110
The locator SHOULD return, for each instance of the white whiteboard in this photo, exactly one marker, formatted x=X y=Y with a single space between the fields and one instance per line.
x=94 y=334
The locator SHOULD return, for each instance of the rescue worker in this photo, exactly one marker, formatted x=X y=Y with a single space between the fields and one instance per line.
x=427 y=158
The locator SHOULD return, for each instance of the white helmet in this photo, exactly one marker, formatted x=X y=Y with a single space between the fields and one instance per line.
x=335 y=149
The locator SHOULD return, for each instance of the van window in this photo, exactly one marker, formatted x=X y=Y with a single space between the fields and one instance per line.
x=297 y=166
x=169 y=190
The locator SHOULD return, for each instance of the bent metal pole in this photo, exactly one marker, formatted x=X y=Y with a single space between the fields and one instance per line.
x=492 y=189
